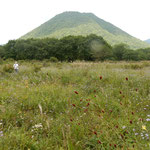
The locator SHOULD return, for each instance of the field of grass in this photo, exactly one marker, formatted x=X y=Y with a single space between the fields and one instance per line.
x=75 y=106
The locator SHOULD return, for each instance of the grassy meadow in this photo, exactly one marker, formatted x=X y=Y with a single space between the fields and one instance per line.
x=75 y=106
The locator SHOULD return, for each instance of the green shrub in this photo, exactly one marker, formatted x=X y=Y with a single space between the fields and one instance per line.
x=10 y=60
x=46 y=60
x=1 y=72
x=136 y=66
x=46 y=64
x=37 y=68
x=146 y=64
x=21 y=61
x=1 y=61
x=53 y=59
x=8 y=68
x=133 y=66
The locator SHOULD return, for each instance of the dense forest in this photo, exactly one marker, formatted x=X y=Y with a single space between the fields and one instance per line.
x=70 y=48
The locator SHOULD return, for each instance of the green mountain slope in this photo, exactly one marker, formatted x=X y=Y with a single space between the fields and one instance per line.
x=75 y=23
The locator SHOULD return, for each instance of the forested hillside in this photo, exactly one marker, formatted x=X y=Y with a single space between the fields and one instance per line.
x=75 y=23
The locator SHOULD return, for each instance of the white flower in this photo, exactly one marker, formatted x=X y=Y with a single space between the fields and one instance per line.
x=38 y=125
x=123 y=127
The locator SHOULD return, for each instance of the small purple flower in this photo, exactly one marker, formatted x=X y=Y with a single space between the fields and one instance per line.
x=1 y=133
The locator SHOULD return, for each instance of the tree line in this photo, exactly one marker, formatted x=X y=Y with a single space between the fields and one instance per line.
x=71 y=48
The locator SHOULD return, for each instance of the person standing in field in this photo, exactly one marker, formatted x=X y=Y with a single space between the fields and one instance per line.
x=16 y=67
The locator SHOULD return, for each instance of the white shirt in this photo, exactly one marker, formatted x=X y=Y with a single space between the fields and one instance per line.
x=16 y=66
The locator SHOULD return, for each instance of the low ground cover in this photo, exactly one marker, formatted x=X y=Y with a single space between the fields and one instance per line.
x=75 y=106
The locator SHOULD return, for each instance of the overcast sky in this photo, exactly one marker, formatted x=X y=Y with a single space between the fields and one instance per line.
x=17 y=17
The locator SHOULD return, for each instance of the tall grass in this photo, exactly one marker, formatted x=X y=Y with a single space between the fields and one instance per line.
x=75 y=106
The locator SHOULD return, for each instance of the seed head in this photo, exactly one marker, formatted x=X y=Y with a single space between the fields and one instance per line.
x=73 y=105
x=99 y=142
x=100 y=77
x=76 y=92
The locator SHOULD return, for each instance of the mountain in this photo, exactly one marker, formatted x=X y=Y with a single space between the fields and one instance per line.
x=75 y=23
x=148 y=41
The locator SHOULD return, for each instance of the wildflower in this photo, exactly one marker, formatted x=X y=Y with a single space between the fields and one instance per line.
x=116 y=126
x=122 y=136
x=142 y=134
x=87 y=99
x=94 y=90
x=76 y=92
x=85 y=110
x=144 y=127
x=147 y=136
x=109 y=144
x=136 y=90
x=80 y=100
x=71 y=120
x=95 y=132
x=132 y=113
x=120 y=92
x=126 y=79
x=140 y=119
x=99 y=142
x=115 y=145
x=100 y=77
x=74 y=105
x=38 y=125
x=130 y=121
x=1 y=133
x=123 y=127
x=125 y=132
x=103 y=111
x=88 y=104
